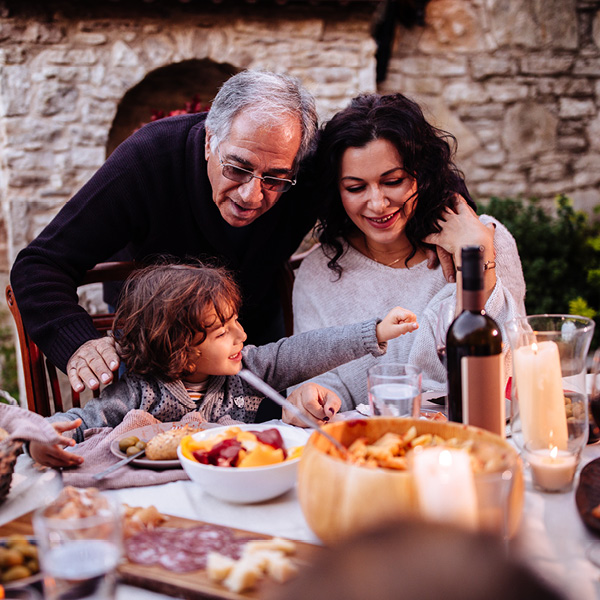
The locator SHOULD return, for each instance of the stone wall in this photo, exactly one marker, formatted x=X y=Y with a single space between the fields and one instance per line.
x=518 y=83
x=63 y=75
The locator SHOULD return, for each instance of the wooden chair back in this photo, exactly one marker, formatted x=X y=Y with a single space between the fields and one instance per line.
x=41 y=378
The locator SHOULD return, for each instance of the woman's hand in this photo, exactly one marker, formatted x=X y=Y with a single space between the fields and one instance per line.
x=396 y=323
x=461 y=227
x=53 y=455
x=317 y=402
x=92 y=363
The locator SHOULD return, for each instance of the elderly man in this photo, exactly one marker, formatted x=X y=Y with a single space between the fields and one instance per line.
x=218 y=186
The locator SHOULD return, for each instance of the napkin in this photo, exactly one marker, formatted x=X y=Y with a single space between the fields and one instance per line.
x=97 y=455
x=23 y=424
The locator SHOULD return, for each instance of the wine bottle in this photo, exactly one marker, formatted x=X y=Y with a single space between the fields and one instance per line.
x=474 y=354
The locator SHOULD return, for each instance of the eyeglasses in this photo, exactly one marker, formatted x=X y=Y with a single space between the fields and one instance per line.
x=239 y=175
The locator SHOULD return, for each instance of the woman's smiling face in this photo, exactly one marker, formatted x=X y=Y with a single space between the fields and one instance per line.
x=377 y=194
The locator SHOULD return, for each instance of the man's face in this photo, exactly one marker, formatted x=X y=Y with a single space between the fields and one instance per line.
x=263 y=146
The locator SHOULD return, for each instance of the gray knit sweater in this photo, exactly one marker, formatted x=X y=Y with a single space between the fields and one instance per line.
x=367 y=287
x=281 y=364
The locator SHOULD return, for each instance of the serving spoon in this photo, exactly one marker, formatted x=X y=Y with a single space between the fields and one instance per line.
x=257 y=383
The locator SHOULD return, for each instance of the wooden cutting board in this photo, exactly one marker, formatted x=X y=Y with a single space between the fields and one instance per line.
x=191 y=585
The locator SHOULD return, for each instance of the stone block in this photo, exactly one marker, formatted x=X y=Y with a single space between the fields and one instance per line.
x=593 y=129
x=587 y=171
x=422 y=66
x=586 y=199
x=587 y=66
x=549 y=189
x=91 y=38
x=535 y=23
x=499 y=188
x=464 y=92
x=88 y=157
x=492 y=158
x=529 y=130
x=484 y=66
x=452 y=26
x=56 y=98
x=15 y=95
x=489 y=111
x=571 y=144
x=546 y=64
x=159 y=49
x=44 y=33
x=122 y=55
x=506 y=91
x=573 y=108
x=82 y=57
x=13 y=56
x=548 y=171
x=280 y=28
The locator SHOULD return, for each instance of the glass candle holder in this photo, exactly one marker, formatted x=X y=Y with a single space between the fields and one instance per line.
x=549 y=408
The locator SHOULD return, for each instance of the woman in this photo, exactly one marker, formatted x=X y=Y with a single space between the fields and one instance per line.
x=390 y=193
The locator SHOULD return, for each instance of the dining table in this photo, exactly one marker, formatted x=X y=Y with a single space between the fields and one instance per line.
x=551 y=538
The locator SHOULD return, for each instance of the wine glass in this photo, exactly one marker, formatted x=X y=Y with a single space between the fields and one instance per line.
x=446 y=314
x=594 y=402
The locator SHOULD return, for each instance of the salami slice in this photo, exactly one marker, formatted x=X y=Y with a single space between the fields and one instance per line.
x=183 y=550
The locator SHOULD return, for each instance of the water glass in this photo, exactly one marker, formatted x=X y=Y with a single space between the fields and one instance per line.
x=79 y=555
x=394 y=390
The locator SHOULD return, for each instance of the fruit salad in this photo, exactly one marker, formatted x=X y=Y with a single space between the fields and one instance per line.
x=239 y=448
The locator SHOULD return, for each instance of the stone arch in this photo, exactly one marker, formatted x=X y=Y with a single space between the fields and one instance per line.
x=167 y=88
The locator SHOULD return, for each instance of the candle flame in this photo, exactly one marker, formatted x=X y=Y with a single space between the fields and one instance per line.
x=534 y=347
x=553 y=452
x=445 y=458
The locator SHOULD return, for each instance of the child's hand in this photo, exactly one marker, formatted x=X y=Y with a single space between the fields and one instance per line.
x=318 y=403
x=52 y=455
x=396 y=323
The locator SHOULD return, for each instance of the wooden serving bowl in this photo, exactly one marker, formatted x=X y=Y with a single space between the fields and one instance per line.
x=339 y=499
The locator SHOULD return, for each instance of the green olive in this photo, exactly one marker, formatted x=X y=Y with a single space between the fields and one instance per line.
x=127 y=442
x=132 y=450
x=16 y=572
x=12 y=558
x=141 y=445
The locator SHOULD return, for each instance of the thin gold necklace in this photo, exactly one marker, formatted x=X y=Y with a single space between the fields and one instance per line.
x=378 y=261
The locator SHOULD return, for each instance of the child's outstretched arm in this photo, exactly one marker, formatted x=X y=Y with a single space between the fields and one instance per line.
x=396 y=323
x=53 y=455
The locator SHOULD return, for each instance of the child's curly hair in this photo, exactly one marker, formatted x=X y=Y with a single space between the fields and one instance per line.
x=162 y=310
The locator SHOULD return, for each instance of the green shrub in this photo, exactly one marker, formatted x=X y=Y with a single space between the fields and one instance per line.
x=8 y=362
x=560 y=254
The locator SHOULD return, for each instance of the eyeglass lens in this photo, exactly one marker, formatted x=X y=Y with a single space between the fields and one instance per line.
x=242 y=176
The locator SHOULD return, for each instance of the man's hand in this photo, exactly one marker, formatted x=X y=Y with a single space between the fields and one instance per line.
x=396 y=323
x=92 y=363
x=52 y=455
x=318 y=403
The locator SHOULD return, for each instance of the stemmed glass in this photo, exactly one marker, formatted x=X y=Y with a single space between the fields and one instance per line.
x=446 y=314
x=594 y=400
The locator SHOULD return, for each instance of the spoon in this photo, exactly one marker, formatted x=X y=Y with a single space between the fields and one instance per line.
x=270 y=392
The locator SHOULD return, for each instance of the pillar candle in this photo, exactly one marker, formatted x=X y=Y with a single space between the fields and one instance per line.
x=445 y=486
x=541 y=400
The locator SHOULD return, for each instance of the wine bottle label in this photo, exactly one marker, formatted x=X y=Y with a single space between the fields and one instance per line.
x=483 y=392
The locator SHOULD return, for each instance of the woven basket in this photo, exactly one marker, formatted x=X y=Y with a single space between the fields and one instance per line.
x=9 y=450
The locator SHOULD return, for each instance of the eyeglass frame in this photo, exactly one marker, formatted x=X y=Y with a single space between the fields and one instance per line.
x=288 y=183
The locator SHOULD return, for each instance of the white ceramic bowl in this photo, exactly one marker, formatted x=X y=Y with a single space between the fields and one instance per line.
x=249 y=484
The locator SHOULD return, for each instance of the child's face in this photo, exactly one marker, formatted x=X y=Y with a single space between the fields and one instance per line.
x=221 y=352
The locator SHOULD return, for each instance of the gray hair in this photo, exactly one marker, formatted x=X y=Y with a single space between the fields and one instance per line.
x=272 y=94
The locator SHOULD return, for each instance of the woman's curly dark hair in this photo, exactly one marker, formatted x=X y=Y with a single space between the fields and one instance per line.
x=426 y=153
x=163 y=308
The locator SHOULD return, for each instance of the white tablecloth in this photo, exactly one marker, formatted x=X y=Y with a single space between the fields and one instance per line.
x=552 y=536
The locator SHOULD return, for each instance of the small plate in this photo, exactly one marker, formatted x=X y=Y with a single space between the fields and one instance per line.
x=145 y=434
x=587 y=495
x=21 y=583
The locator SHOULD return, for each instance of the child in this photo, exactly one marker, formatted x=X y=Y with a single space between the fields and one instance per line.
x=178 y=333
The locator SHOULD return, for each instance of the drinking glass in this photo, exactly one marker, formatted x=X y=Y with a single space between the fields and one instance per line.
x=445 y=316
x=549 y=408
x=394 y=390
x=79 y=555
x=595 y=399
